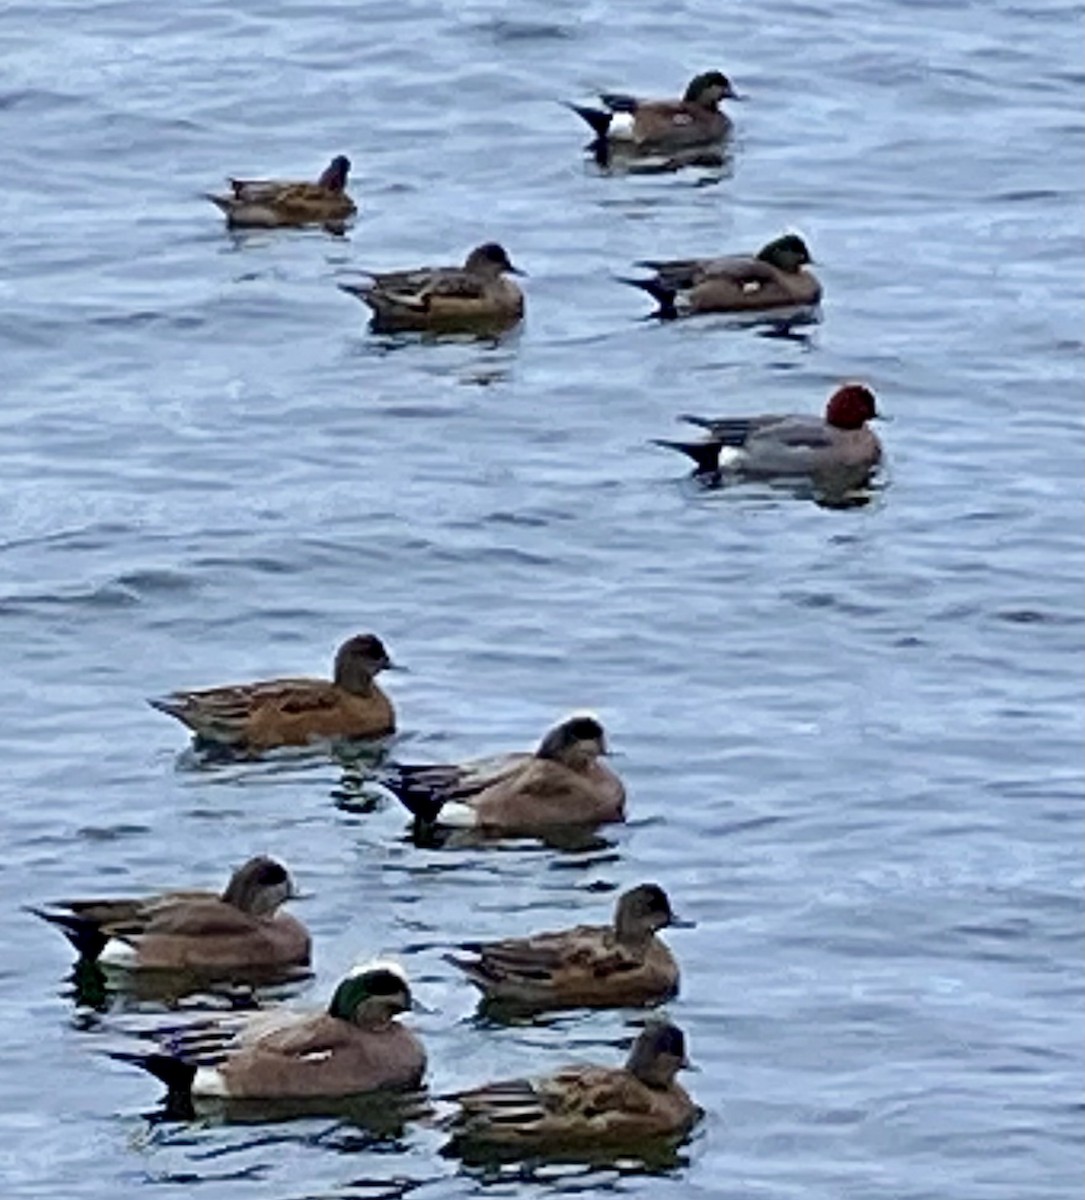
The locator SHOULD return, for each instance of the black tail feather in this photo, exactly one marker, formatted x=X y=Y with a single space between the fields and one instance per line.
x=706 y=455
x=87 y=938
x=663 y=294
x=595 y=117
x=420 y=800
x=173 y=1072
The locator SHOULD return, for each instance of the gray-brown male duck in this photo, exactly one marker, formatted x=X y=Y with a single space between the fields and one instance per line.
x=293 y=712
x=772 y=278
x=661 y=126
x=770 y=445
x=474 y=296
x=243 y=927
x=271 y=203
x=563 y=783
x=586 y=1108
x=355 y=1046
x=591 y=966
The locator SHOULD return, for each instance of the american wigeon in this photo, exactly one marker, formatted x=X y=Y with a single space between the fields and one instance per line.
x=562 y=783
x=791 y=445
x=772 y=278
x=596 y=966
x=475 y=296
x=355 y=1046
x=270 y=203
x=653 y=126
x=293 y=712
x=583 y=1107
x=243 y=927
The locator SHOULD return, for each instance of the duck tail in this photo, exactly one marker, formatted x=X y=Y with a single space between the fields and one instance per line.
x=226 y=203
x=472 y=968
x=84 y=934
x=595 y=117
x=706 y=455
x=360 y=291
x=662 y=293
x=419 y=799
x=176 y=1074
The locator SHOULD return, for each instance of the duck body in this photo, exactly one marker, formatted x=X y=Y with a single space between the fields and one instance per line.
x=476 y=295
x=562 y=783
x=770 y=445
x=772 y=278
x=579 y=1107
x=292 y=712
x=591 y=966
x=662 y=126
x=274 y=203
x=275 y=1056
x=192 y=930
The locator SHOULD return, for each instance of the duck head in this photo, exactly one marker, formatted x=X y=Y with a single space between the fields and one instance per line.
x=259 y=887
x=709 y=88
x=642 y=911
x=490 y=258
x=335 y=174
x=358 y=659
x=658 y=1054
x=576 y=742
x=851 y=406
x=788 y=253
x=371 y=995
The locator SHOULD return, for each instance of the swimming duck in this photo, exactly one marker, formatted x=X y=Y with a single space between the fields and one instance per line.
x=191 y=930
x=791 y=445
x=773 y=278
x=293 y=712
x=445 y=298
x=270 y=203
x=355 y=1046
x=596 y=966
x=561 y=783
x=663 y=125
x=583 y=1107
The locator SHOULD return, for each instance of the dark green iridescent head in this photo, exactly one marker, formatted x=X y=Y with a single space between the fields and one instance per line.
x=788 y=253
x=371 y=995
x=709 y=89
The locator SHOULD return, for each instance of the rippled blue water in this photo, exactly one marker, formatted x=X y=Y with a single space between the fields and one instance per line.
x=852 y=738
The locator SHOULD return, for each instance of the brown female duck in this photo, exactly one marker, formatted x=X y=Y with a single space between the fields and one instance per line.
x=476 y=295
x=596 y=966
x=562 y=783
x=293 y=712
x=583 y=1107
x=270 y=203
x=191 y=930
x=654 y=126
x=772 y=278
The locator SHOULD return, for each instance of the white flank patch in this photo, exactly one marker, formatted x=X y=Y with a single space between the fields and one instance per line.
x=457 y=815
x=116 y=953
x=731 y=456
x=209 y=1082
x=621 y=127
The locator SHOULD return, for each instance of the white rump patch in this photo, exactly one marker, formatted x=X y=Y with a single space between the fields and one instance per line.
x=116 y=953
x=209 y=1081
x=621 y=127
x=457 y=815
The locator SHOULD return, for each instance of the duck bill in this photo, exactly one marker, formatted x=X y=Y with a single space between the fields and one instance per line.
x=394 y=666
x=511 y=270
x=682 y=923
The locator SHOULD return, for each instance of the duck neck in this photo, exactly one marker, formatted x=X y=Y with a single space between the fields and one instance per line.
x=354 y=678
x=631 y=932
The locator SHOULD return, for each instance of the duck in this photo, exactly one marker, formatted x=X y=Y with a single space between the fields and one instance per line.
x=772 y=278
x=243 y=928
x=589 y=966
x=353 y=1047
x=766 y=446
x=582 y=1107
x=475 y=295
x=271 y=203
x=563 y=783
x=660 y=126
x=272 y=713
